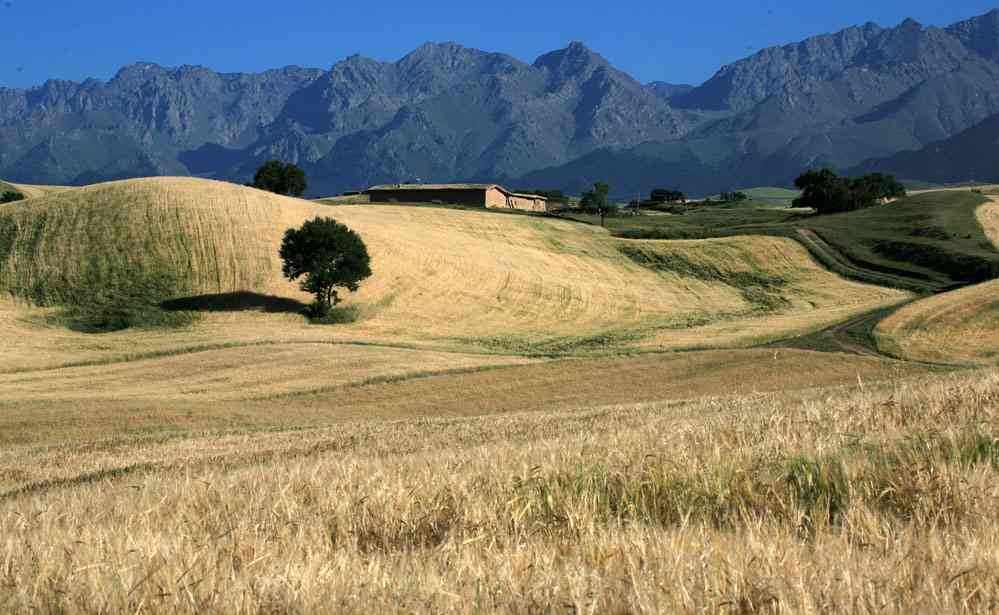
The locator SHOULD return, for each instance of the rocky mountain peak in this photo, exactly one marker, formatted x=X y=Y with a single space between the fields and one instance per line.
x=980 y=34
x=576 y=59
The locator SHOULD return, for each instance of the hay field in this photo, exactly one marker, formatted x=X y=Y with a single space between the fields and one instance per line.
x=850 y=500
x=443 y=279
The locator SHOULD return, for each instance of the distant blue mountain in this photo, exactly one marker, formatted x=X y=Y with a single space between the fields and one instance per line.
x=445 y=112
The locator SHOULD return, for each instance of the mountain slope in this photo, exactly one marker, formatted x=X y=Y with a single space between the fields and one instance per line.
x=449 y=113
x=971 y=155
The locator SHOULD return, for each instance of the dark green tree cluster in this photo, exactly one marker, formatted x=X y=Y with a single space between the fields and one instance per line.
x=827 y=193
x=664 y=195
x=11 y=196
x=733 y=197
x=555 y=196
x=280 y=178
x=326 y=255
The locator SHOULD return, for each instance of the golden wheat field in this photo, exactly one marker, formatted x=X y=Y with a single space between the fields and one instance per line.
x=859 y=499
x=444 y=279
x=520 y=414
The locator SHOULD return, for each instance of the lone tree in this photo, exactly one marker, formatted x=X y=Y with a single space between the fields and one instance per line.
x=596 y=200
x=328 y=255
x=280 y=177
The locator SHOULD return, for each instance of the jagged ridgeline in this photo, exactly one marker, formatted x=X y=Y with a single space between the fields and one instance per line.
x=124 y=247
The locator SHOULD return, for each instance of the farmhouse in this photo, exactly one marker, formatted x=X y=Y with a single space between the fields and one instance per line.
x=492 y=196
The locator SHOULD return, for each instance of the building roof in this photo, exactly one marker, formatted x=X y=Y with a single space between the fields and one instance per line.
x=389 y=187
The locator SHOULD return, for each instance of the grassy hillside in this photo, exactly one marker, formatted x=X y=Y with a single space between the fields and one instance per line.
x=988 y=217
x=934 y=237
x=928 y=241
x=461 y=279
x=960 y=326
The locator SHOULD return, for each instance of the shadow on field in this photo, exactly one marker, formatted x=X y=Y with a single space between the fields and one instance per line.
x=234 y=302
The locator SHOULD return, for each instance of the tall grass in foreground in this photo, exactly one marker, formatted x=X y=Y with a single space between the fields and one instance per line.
x=881 y=500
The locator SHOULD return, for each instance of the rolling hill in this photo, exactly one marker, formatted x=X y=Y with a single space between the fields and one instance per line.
x=472 y=280
x=498 y=427
x=960 y=326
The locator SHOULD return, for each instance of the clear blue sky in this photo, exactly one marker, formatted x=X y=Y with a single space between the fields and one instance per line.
x=651 y=39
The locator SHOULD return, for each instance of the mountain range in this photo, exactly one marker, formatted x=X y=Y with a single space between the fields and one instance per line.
x=858 y=98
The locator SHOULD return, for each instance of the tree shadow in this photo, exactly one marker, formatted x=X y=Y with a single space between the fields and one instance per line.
x=234 y=302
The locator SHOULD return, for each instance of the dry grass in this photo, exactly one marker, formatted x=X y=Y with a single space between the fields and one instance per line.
x=494 y=432
x=30 y=191
x=444 y=279
x=222 y=390
x=882 y=499
x=960 y=327
x=988 y=217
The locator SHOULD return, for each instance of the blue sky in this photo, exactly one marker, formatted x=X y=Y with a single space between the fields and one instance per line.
x=651 y=39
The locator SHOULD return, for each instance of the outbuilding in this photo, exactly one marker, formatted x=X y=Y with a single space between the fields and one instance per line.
x=491 y=196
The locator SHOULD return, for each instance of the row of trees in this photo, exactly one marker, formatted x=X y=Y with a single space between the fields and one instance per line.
x=665 y=195
x=733 y=197
x=827 y=193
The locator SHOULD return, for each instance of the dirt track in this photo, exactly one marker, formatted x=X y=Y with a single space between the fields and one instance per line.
x=817 y=245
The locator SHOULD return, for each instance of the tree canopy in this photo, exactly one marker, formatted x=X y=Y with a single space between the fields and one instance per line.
x=326 y=255
x=11 y=196
x=826 y=192
x=665 y=195
x=281 y=178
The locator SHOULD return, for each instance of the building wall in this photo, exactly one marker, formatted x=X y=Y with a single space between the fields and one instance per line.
x=497 y=199
x=493 y=198
x=476 y=198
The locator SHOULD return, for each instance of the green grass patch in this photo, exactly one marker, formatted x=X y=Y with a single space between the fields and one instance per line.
x=763 y=292
x=557 y=346
x=340 y=315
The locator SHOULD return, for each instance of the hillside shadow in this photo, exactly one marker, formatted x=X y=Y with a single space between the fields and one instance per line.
x=234 y=302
